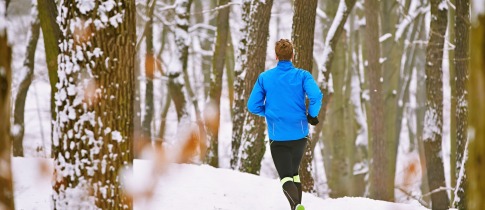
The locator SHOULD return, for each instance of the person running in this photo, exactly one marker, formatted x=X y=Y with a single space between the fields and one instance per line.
x=279 y=96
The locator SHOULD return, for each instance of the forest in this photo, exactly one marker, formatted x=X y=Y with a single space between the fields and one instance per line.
x=93 y=85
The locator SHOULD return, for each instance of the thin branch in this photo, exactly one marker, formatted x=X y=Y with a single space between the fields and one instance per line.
x=461 y=174
x=439 y=189
x=201 y=26
x=417 y=198
x=216 y=9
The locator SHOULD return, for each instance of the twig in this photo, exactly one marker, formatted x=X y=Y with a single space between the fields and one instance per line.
x=439 y=189
x=414 y=197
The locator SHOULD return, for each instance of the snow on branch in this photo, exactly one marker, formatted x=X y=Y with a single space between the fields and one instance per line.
x=461 y=175
x=216 y=9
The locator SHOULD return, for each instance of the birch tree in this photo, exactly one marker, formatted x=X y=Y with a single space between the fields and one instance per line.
x=248 y=131
x=215 y=91
x=94 y=104
x=433 y=120
x=476 y=87
x=6 y=187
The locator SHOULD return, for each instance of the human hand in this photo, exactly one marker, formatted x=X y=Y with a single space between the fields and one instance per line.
x=312 y=120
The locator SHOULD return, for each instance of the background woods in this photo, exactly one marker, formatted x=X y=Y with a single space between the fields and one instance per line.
x=95 y=84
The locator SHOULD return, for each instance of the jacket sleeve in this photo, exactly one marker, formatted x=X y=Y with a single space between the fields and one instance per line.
x=313 y=93
x=257 y=98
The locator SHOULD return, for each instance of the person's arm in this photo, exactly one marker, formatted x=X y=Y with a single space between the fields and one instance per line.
x=314 y=95
x=256 y=99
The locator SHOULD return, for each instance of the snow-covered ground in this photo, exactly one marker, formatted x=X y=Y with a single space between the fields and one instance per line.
x=189 y=187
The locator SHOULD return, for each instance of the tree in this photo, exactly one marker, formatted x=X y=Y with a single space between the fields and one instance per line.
x=94 y=104
x=51 y=33
x=302 y=36
x=462 y=27
x=218 y=63
x=28 y=73
x=475 y=172
x=248 y=133
x=331 y=42
x=433 y=120
x=151 y=65
x=177 y=74
x=6 y=187
x=381 y=177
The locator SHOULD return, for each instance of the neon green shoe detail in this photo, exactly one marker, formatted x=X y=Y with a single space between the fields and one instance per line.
x=299 y=207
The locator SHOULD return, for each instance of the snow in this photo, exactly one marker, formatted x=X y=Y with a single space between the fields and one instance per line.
x=385 y=37
x=184 y=187
x=443 y=5
x=430 y=125
x=116 y=135
x=478 y=7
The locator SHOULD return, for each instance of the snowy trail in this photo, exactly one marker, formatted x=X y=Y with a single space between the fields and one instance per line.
x=191 y=187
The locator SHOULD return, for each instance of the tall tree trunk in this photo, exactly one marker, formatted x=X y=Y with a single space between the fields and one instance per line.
x=230 y=63
x=51 y=34
x=333 y=36
x=462 y=27
x=393 y=86
x=26 y=80
x=150 y=68
x=451 y=65
x=218 y=62
x=381 y=177
x=248 y=145
x=176 y=74
x=476 y=87
x=94 y=104
x=6 y=187
x=303 y=35
x=433 y=120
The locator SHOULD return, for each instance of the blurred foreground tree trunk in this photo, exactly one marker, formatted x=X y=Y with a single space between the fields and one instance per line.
x=476 y=88
x=6 y=187
x=94 y=105
x=26 y=80
x=302 y=36
x=215 y=91
x=248 y=145
x=433 y=120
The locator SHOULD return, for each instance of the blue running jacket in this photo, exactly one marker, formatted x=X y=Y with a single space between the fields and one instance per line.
x=279 y=95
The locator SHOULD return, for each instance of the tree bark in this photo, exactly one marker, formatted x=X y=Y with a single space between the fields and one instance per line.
x=28 y=74
x=150 y=68
x=248 y=145
x=302 y=36
x=215 y=91
x=476 y=164
x=344 y=9
x=462 y=27
x=433 y=120
x=94 y=104
x=51 y=34
x=6 y=187
x=381 y=177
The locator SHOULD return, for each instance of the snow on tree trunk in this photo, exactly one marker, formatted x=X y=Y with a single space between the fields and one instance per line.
x=178 y=67
x=433 y=119
x=462 y=27
x=248 y=145
x=476 y=129
x=344 y=9
x=6 y=187
x=26 y=80
x=215 y=91
x=302 y=36
x=93 y=130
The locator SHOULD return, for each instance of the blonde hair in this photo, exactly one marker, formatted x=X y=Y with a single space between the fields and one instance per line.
x=284 y=49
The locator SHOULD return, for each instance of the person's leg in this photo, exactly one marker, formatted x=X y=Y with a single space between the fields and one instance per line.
x=281 y=153
x=298 y=150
